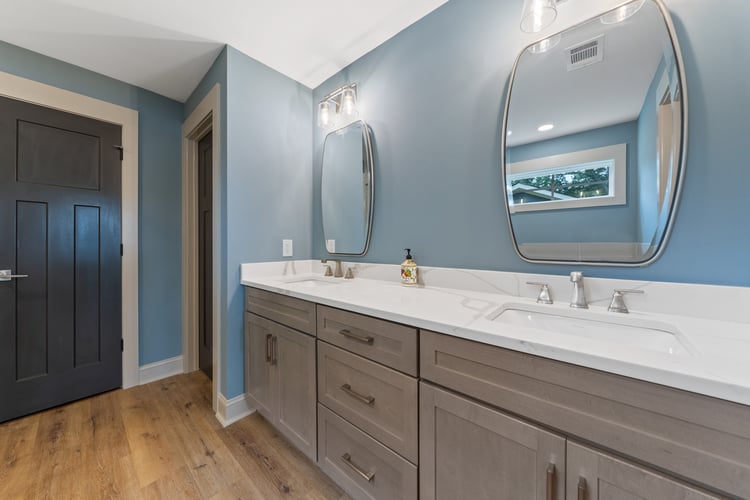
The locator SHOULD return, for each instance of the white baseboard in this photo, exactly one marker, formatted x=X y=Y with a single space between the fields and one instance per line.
x=159 y=370
x=230 y=411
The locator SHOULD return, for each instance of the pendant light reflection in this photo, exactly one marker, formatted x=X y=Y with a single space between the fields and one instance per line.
x=341 y=103
x=537 y=15
x=545 y=45
x=622 y=13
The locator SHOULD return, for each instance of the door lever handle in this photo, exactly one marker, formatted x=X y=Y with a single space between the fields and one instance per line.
x=5 y=275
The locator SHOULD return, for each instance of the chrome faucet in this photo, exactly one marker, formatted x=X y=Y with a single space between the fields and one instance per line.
x=618 y=301
x=338 y=273
x=578 y=301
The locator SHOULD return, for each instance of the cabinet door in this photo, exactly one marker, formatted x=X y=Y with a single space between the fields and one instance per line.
x=294 y=358
x=593 y=475
x=467 y=450
x=258 y=337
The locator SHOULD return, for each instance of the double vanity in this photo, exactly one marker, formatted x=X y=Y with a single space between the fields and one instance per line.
x=489 y=385
x=466 y=387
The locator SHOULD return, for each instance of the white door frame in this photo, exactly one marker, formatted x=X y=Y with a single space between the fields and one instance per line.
x=205 y=117
x=42 y=94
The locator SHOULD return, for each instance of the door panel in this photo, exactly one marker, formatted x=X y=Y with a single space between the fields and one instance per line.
x=57 y=157
x=593 y=475
x=258 y=335
x=60 y=198
x=468 y=450
x=205 y=255
x=31 y=323
x=87 y=290
x=294 y=356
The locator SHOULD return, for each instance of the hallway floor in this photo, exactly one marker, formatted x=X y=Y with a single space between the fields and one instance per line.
x=158 y=441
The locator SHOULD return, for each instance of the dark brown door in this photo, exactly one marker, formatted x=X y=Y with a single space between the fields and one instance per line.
x=205 y=256
x=60 y=327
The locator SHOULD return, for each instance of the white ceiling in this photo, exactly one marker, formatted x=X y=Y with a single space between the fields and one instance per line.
x=166 y=46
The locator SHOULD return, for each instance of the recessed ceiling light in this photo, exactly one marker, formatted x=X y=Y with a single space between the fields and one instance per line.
x=546 y=127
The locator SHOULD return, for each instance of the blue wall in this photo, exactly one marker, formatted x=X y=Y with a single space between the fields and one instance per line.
x=616 y=223
x=159 y=122
x=434 y=96
x=266 y=177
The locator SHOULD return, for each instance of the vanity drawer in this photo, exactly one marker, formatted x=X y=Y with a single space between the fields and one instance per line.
x=378 y=400
x=295 y=313
x=382 y=341
x=363 y=467
x=698 y=438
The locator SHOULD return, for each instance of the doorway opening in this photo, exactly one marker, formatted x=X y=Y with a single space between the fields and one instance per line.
x=201 y=243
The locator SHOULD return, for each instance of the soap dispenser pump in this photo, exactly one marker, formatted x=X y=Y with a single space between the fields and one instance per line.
x=408 y=270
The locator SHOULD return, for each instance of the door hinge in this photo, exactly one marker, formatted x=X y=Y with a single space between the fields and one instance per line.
x=121 y=149
x=122 y=250
x=122 y=345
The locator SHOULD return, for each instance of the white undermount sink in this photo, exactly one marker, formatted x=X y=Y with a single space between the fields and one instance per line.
x=314 y=282
x=616 y=328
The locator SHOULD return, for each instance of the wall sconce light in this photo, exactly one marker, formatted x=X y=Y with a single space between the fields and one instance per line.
x=342 y=102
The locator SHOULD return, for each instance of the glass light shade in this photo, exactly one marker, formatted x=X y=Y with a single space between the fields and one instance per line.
x=348 y=103
x=622 y=13
x=324 y=114
x=545 y=45
x=537 y=15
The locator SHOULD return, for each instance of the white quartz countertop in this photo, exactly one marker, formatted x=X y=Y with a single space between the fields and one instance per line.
x=716 y=361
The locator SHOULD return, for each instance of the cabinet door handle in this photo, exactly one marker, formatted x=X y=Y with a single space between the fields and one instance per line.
x=367 y=476
x=268 y=347
x=582 y=488
x=551 y=470
x=359 y=338
x=368 y=400
x=274 y=350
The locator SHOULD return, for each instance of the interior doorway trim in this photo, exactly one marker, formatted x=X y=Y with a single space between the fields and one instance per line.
x=205 y=118
x=34 y=92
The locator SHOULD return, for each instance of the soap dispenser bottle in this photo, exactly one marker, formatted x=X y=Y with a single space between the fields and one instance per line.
x=408 y=270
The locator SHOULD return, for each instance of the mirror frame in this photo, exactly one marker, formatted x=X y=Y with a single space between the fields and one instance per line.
x=677 y=180
x=367 y=142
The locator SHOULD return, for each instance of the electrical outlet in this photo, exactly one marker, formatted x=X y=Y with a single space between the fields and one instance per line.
x=286 y=248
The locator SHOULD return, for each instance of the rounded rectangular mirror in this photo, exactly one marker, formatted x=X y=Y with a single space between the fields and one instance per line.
x=347 y=189
x=594 y=140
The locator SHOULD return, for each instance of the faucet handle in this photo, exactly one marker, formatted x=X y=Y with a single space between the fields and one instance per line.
x=618 y=301
x=328 y=271
x=544 y=295
x=576 y=276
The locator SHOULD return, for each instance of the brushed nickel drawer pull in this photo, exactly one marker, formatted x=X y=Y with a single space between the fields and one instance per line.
x=268 y=347
x=551 y=482
x=368 y=400
x=367 y=476
x=359 y=338
x=582 y=488
x=274 y=350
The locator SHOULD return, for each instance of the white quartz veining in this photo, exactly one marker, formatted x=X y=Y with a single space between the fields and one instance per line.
x=710 y=324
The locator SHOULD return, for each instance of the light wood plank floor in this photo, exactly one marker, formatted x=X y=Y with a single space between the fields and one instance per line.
x=158 y=441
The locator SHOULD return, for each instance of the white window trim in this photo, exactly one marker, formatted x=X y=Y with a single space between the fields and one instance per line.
x=618 y=181
x=42 y=94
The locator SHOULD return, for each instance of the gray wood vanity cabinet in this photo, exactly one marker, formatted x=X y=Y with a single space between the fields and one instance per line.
x=679 y=434
x=280 y=379
x=491 y=422
x=368 y=397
